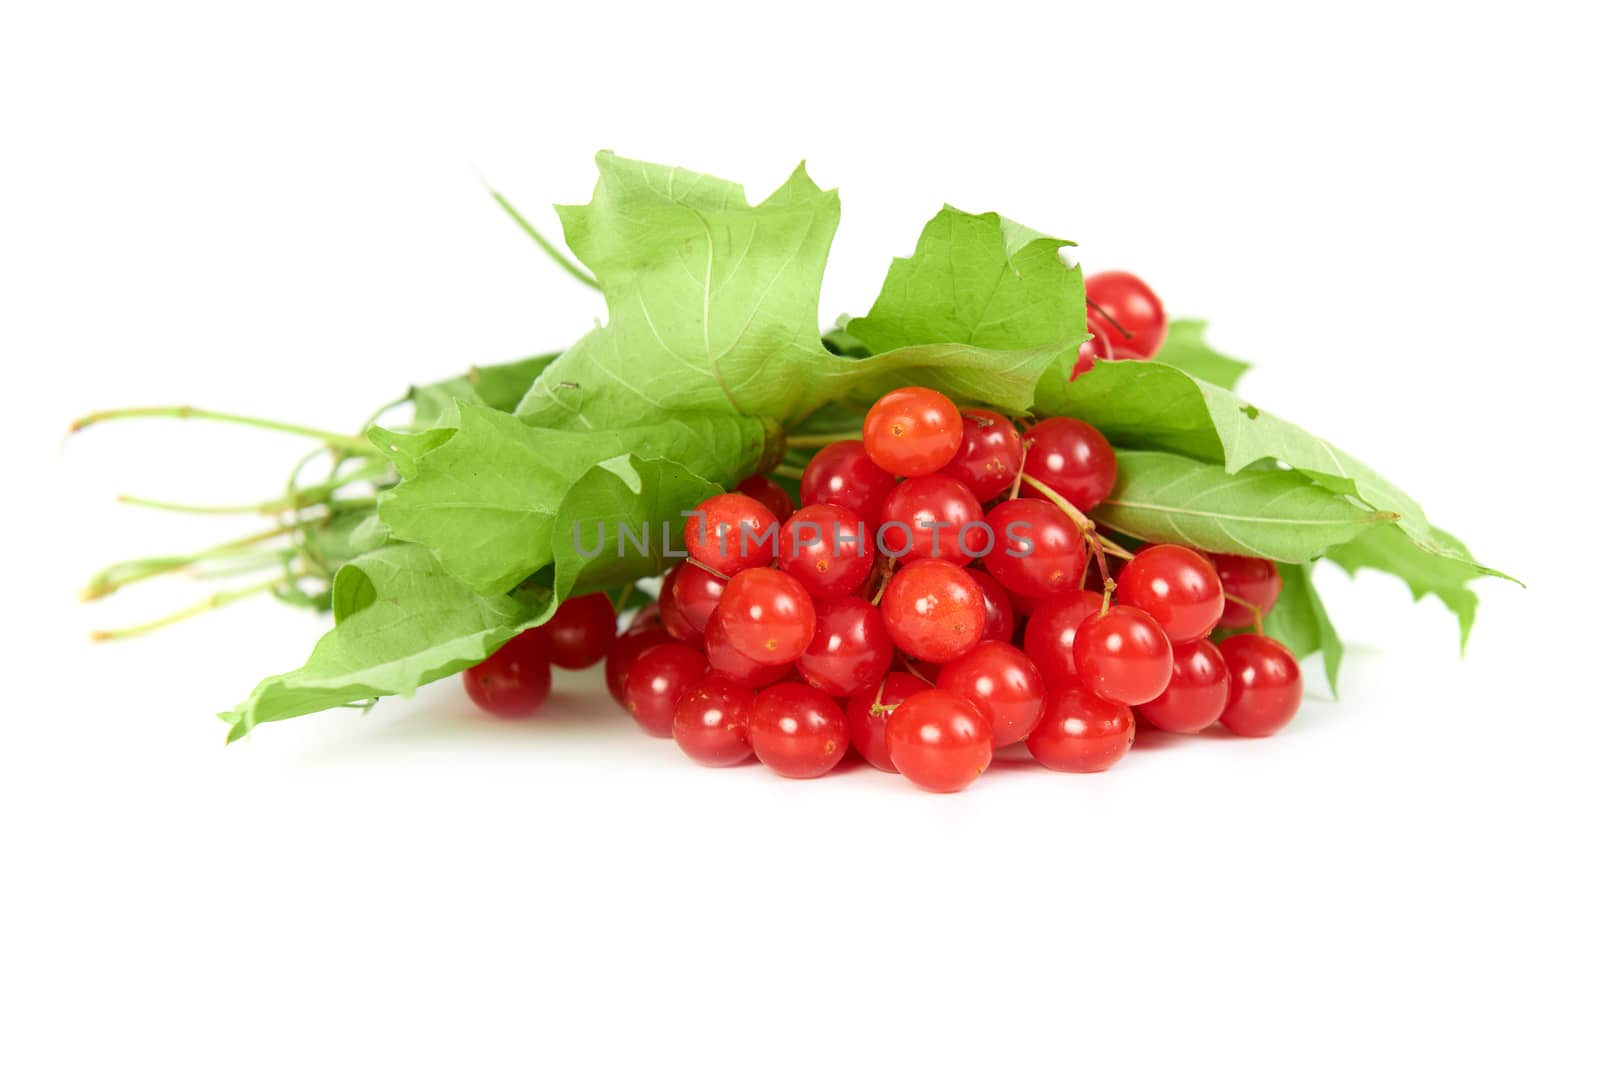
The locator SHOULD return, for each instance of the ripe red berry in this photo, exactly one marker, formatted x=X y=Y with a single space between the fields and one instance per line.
x=851 y=649
x=1264 y=685
x=912 y=431
x=870 y=710
x=798 y=731
x=828 y=548
x=1003 y=684
x=1037 y=550
x=1197 y=693
x=657 y=679
x=580 y=632
x=696 y=593
x=939 y=741
x=933 y=610
x=1177 y=586
x=1081 y=732
x=843 y=474
x=731 y=532
x=768 y=615
x=1072 y=458
x=728 y=661
x=990 y=455
x=1138 y=321
x=769 y=493
x=933 y=517
x=712 y=719
x=624 y=651
x=673 y=618
x=1250 y=579
x=1051 y=630
x=1123 y=656
x=1098 y=347
x=999 y=614
x=515 y=679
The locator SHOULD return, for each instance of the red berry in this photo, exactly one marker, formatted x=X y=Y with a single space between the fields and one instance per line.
x=728 y=661
x=1138 y=321
x=990 y=455
x=828 y=548
x=1081 y=732
x=1248 y=578
x=674 y=618
x=939 y=741
x=1123 y=656
x=580 y=632
x=515 y=679
x=1197 y=693
x=657 y=679
x=768 y=615
x=711 y=721
x=999 y=614
x=851 y=649
x=933 y=610
x=1098 y=347
x=933 y=517
x=912 y=431
x=769 y=493
x=1037 y=550
x=798 y=731
x=843 y=474
x=731 y=532
x=1264 y=685
x=1051 y=630
x=1177 y=586
x=870 y=710
x=1003 y=684
x=1072 y=458
x=624 y=651
x=696 y=593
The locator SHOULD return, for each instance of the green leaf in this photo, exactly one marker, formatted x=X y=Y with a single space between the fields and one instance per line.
x=486 y=501
x=401 y=621
x=1280 y=515
x=1445 y=577
x=1300 y=621
x=498 y=386
x=1186 y=349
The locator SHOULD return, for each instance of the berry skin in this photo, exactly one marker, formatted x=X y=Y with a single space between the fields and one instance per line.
x=1098 y=347
x=828 y=548
x=869 y=713
x=924 y=518
x=851 y=649
x=1123 y=656
x=843 y=474
x=768 y=615
x=1037 y=549
x=711 y=722
x=1248 y=578
x=1081 y=732
x=731 y=532
x=1177 y=586
x=990 y=455
x=1264 y=685
x=1002 y=683
x=939 y=741
x=999 y=614
x=657 y=680
x=727 y=661
x=1051 y=630
x=624 y=651
x=912 y=431
x=580 y=632
x=798 y=731
x=933 y=611
x=673 y=618
x=1138 y=321
x=769 y=493
x=1197 y=693
x=1072 y=458
x=514 y=681
x=695 y=594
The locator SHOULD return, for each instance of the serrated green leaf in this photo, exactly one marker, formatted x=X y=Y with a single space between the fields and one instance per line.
x=499 y=386
x=1186 y=349
x=1300 y=621
x=1280 y=515
x=1425 y=573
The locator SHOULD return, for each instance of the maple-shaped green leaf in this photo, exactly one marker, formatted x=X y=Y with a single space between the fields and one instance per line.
x=1445 y=577
x=1186 y=349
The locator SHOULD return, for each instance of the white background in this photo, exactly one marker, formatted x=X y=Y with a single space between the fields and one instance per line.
x=278 y=211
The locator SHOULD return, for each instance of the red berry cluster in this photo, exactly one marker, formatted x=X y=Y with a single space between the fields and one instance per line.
x=931 y=600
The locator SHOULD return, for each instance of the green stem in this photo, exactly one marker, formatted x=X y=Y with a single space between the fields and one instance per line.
x=216 y=600
x=544 y=242
x=816 y=441
x=788 y=471
x=127 y=572
x=345 y=442
x=1081 y=521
